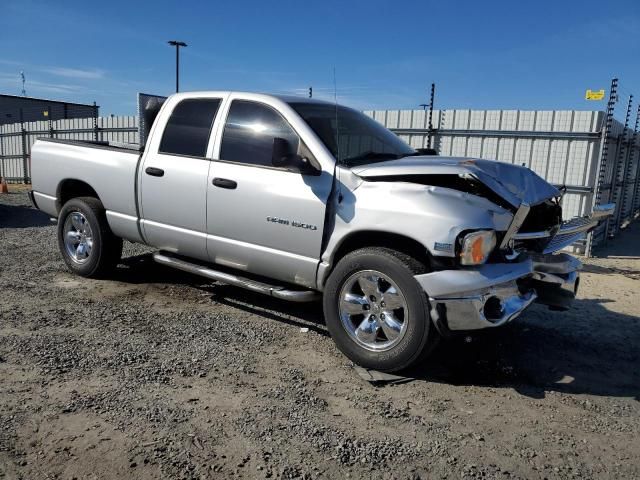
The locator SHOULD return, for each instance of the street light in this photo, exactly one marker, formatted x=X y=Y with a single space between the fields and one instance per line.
x=177 y=44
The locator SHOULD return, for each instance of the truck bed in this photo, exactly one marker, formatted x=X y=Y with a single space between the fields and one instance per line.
x=109 y=169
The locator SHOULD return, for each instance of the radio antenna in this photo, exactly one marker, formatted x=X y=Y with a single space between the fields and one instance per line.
x=335 y=101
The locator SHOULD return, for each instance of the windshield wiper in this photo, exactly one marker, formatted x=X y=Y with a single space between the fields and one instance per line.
x=371 y=155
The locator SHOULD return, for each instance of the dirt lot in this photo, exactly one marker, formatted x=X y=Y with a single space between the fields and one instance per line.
x=156 y=374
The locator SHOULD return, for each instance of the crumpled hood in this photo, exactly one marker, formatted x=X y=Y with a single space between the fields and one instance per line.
x=514 y=183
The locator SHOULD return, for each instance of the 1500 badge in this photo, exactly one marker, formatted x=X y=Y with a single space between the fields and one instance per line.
x=293 y=223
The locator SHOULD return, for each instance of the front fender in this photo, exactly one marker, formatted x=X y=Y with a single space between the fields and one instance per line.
x=432 y=216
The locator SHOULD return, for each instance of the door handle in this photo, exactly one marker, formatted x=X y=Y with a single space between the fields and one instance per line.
x=154 y=172
x=224 y=183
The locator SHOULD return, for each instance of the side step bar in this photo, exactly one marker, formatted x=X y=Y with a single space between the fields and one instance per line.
x=231 y=279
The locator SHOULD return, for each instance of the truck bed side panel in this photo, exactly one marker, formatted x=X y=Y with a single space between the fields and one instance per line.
x=111 y=172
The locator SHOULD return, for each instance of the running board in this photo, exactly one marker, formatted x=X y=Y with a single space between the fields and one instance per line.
x=231 y=279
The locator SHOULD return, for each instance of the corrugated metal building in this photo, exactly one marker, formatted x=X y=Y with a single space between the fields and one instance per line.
x=14 y=109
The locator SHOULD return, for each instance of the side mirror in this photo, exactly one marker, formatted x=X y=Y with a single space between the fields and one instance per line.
x=281 y=155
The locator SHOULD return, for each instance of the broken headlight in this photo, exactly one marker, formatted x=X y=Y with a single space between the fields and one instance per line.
x=476 y=247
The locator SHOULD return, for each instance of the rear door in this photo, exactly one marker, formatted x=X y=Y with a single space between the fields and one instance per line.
x=263 y=219
x=173 y=178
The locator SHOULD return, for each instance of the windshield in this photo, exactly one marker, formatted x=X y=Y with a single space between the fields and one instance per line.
x=357 y=140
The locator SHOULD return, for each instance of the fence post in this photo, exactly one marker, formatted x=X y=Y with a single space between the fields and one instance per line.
x=616 y=185
x=50 y=121
x=604 y=151
x=430 y=132
x=636 y=194
x=25 y=157
x=636 y=184
x=95 y=122
x=628 y=168
x=2 y=151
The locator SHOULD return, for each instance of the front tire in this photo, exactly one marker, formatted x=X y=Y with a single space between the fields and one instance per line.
x=86 y=242
x=375 y=310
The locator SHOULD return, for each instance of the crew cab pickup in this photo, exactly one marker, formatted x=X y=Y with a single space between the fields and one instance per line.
x=300 y=199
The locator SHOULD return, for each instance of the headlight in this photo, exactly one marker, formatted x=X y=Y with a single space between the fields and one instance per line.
x=477 y=246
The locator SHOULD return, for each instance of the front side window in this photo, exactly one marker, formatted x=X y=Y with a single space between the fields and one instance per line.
x=352 y=137
x=188 y=129
x=249 y=133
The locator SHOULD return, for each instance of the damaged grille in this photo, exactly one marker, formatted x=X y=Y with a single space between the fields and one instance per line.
x=542 y=223
x=544 y=216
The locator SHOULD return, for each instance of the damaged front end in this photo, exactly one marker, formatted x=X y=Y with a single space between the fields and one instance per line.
x=544 y=233
x=524 y=267
x=494 y=294
x=529 y=271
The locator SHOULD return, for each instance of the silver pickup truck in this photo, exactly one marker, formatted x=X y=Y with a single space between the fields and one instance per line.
x=301 y=199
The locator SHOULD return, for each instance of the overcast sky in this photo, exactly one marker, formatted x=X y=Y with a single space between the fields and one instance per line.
x=503 y=55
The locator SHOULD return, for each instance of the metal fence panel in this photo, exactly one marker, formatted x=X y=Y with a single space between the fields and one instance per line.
x=16 y=139
x=563 y=146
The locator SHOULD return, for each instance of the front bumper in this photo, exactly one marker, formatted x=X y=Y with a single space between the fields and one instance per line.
x=494 y=294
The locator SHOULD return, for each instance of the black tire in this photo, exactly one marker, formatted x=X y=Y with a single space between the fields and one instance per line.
x=106 y=249
x=420 y=335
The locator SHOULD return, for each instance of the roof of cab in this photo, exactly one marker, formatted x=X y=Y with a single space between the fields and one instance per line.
x=283 y=97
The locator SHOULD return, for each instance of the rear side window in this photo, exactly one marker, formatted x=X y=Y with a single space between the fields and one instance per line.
x=249 y=133
x=188 y=129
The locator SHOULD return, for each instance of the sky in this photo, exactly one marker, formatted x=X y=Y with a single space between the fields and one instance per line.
x=480 y=54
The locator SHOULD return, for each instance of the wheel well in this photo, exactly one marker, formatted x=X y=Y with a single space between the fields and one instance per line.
x=71 y=188
x=393 y=241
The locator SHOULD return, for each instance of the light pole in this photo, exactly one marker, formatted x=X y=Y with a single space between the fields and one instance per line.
x=177 y=44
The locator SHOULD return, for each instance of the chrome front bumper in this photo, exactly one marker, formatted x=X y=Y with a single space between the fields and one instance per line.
x=492 y=295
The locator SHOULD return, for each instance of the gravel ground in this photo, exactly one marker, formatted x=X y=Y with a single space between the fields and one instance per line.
x=157 y=374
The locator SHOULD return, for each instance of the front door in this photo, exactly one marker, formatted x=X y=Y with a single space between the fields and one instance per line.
x=262 y=219
x=173 y=179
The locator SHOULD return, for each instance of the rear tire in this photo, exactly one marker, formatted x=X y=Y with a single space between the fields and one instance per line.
x=379 y=283
x=88 y=246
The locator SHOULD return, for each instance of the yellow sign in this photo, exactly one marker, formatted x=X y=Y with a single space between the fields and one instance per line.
x=594 y=94
x=46 y=113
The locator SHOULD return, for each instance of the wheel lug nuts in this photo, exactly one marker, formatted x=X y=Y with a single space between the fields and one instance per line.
x=382 y=316
x=382 y=304
x=366 y=307
x=372 y=298
x=372 y=318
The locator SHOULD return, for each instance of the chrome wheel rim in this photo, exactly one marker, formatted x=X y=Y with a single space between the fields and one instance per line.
x=78 y=237
x=373 y=310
